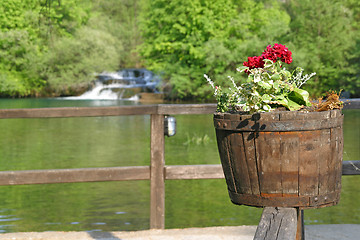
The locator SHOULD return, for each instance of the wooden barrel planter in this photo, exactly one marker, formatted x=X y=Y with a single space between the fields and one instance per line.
x=282 y=159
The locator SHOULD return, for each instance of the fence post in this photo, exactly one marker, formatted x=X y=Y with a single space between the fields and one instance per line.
x=277 y=223
x=157 y=178
x=300 y=232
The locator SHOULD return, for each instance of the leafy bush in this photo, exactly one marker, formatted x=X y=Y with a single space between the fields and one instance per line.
x=269 y=84
x=72 y=62
x=17 y=51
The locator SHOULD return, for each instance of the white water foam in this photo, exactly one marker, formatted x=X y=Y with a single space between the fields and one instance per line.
x=105 y=92
x=115 y=85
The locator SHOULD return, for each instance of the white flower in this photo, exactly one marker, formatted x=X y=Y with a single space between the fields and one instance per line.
x=257 y=78
x=210 y=81
x=300 y=80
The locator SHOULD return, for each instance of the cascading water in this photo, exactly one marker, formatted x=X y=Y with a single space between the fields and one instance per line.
x=124 y=84
x=107 y=92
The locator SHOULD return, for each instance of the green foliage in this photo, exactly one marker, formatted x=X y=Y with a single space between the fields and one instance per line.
x=24 y=40
x=181 y=39
x=265 y=89
x=179 y=35
x=55 y=47
x=73 y=62
x=353 y=74
x=120 y=19
x=17 y=50
x=16 y=14
x=11 y=84
x=17 y=45
x=322 y=40
x=185 y=39
x=63 y=17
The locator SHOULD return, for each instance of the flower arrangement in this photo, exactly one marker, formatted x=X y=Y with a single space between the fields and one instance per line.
x=269 y=84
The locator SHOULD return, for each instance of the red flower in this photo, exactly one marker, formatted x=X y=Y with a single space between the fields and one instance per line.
x=274 y=53
x=254 y=62
x=278 y=51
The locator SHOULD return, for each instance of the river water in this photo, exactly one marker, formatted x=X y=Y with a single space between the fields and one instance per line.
x=27 y=144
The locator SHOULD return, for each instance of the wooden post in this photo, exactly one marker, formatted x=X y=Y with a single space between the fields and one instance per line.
x=277 y=223
x=157 y=177
x=300 y=232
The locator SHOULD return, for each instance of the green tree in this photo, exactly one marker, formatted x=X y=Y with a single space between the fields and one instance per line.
x=322 y=40
x=17 y=44
x=120 y=19
x=354 y=58
x=25 y=39
x=185 y=39
x=106 y=42
x=54 y=47
x=62 y=17
x=17 y=51
x=175 y=34
x=71 y=63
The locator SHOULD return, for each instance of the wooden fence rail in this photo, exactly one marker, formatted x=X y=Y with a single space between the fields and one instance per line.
x=157 y=172
x=171 y=172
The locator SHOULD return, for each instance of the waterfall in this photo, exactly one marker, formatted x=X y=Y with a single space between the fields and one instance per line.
x=125 y=84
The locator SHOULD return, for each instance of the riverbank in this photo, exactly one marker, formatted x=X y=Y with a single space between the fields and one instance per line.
x=312 y=232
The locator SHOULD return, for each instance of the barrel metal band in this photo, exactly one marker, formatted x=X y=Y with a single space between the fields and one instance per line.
x=288 y=201
x=278 y=126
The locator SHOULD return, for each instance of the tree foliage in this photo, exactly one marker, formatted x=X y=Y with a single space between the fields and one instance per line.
x=120 y=19
x=186 y=39
x=71 y=62
x=177 y=45
x=54 y=47
x=323 y=40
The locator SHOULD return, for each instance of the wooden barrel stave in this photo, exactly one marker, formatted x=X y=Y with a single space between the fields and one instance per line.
x=239 y=162
x=252 y=165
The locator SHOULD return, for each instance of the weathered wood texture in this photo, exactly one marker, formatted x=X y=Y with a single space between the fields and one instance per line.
x=300 y=233
x=277 y=224
x=76 y=112
x=172 y=172
x=74 y=175
x=193 y=172
x=351 y=168
x=121 y=110
x=282 y=159
x=157 y=175
x=108 y=111
x=186 y=108
x=351 y=104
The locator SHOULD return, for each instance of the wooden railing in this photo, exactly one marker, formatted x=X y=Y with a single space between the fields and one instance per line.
x=157 y=172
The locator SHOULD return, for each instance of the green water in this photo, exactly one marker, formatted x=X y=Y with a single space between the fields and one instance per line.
x=124 y=141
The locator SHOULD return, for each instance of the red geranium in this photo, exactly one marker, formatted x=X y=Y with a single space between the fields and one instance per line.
x=278 y=51
x=255 y=62
x=274 y=53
